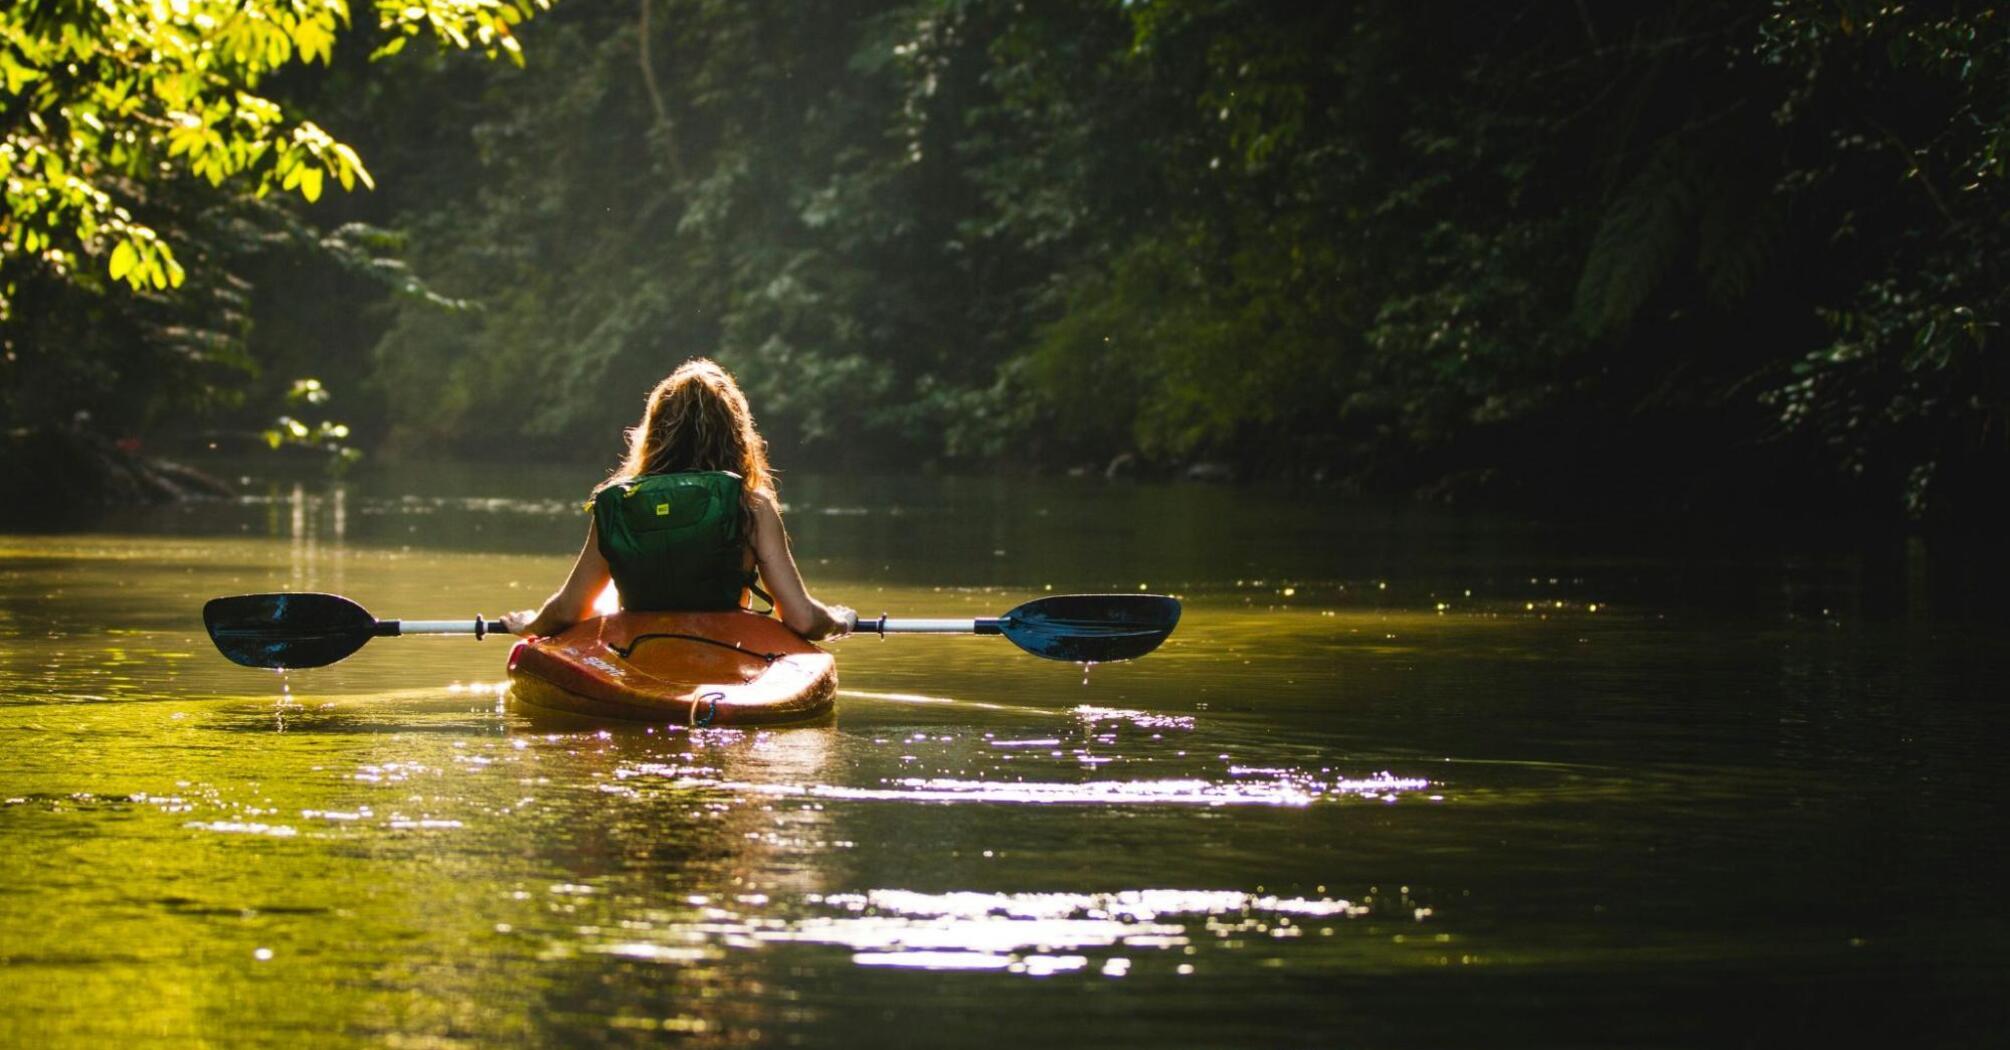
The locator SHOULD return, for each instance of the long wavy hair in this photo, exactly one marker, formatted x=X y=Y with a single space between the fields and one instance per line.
x=696 y=419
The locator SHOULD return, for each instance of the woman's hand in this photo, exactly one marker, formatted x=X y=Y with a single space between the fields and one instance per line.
x=517 y=622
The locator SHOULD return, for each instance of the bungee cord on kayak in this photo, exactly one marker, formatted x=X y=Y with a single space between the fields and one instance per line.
x=629 y=649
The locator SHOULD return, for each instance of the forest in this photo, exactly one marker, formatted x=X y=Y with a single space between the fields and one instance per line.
x=1669 y=255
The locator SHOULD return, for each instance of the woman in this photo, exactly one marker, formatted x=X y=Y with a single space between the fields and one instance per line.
x=689 y=519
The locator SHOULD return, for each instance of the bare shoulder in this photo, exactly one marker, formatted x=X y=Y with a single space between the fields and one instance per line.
x=764 y=505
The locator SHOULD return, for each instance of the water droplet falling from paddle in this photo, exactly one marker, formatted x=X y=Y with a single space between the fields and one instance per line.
x=1086 y=664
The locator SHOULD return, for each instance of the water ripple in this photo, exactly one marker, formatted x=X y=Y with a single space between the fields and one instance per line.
x=1294 y=789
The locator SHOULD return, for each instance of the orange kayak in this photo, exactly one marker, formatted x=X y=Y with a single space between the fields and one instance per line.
x=702 y=668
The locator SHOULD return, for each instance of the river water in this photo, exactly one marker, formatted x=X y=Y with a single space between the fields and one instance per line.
x=1402 y=778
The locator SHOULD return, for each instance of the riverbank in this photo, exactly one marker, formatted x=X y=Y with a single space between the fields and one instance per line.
x=50 y=474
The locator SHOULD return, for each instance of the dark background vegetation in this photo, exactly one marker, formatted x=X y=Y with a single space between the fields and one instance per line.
x=1680 y=254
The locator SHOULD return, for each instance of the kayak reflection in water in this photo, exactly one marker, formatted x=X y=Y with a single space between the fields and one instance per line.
x=689 y=521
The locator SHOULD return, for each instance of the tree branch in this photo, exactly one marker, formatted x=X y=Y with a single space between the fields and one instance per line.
x=655 y=94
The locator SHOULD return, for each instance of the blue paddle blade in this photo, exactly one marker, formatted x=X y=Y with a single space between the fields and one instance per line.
x=287 y=630
x=1092 y=628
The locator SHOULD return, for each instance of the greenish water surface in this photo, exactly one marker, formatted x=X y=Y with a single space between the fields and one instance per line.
x=1400 y=779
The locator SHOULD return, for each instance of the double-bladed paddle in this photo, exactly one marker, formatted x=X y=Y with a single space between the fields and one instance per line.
x=307 y=629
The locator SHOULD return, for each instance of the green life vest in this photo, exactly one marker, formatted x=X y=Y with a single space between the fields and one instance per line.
x=675 y=542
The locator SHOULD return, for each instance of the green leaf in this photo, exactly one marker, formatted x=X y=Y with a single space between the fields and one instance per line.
x=347 y=160
x=123 y=258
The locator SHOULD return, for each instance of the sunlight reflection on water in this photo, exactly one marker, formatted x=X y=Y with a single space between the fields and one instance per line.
x=1023 y=933
x=1293 y=790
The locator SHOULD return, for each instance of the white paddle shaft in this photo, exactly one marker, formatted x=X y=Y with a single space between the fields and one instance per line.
x=474 y=626
x=919 y=626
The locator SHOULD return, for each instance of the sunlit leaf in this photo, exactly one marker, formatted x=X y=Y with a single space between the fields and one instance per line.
x=123 y=258
x=155 y=90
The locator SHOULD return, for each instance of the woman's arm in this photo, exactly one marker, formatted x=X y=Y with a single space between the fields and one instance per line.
x=573 y=600
x=803 y=614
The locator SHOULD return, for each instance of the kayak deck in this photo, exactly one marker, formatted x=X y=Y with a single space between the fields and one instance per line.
x=689 y=668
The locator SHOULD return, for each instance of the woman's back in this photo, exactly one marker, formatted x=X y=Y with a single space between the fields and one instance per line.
x=676 y=542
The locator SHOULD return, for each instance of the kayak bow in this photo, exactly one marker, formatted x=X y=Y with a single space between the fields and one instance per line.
x=699 y=668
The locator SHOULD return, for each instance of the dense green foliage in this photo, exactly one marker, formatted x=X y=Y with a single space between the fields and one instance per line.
x=136 y=143
x=1679 y=251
